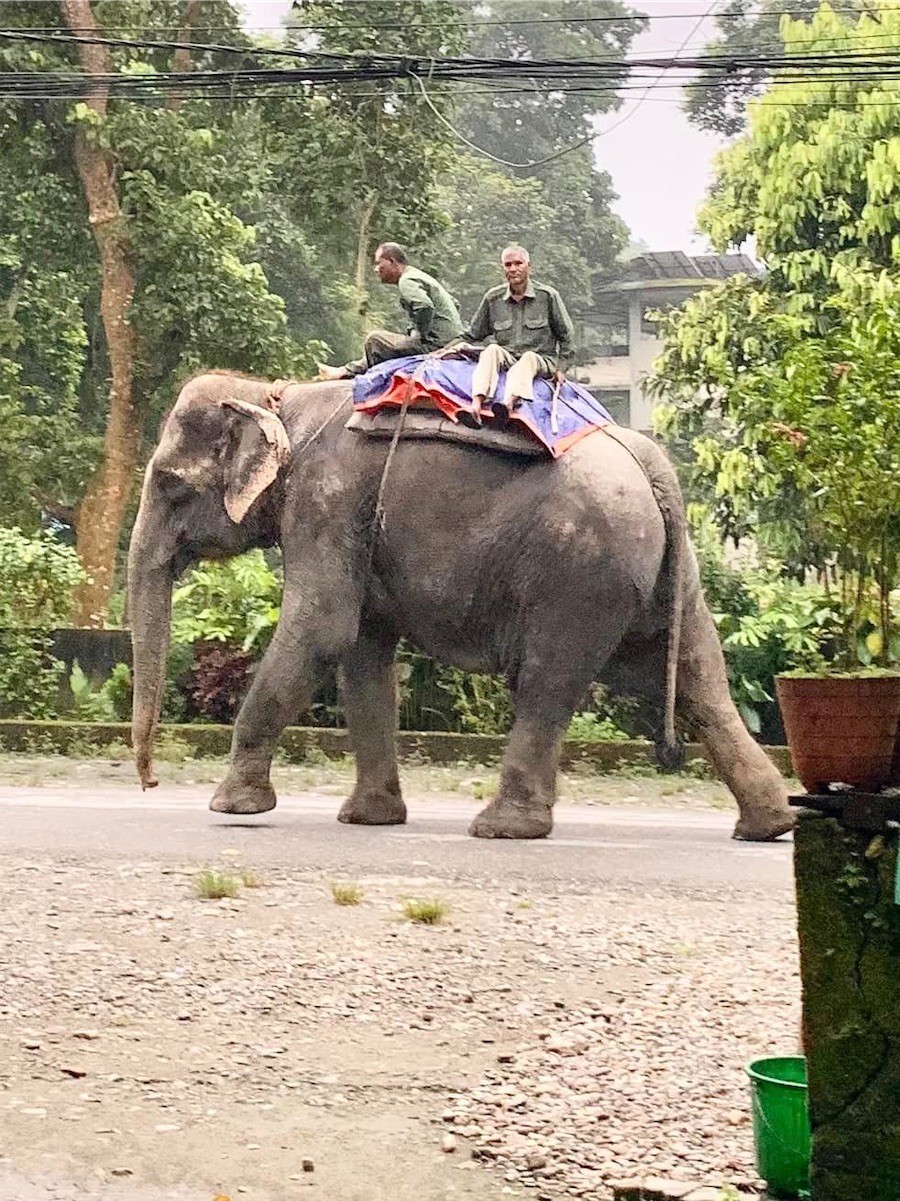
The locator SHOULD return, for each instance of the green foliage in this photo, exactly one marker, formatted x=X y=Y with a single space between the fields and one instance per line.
x=118 y=691
x=38 y=576
x=426 y=912
x=748 y=28
x=768 y=623
x=89 y=703
x=215 y=885
x=346 y=894
x=786 y=389
x=29 y=675
x=592 y=727
x=237 y=602
x=481 y=703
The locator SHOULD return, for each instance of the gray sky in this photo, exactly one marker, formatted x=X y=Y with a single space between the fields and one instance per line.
x=660 y=165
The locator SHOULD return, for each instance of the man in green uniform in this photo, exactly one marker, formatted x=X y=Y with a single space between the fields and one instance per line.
x=432 y=316
x=531 y=332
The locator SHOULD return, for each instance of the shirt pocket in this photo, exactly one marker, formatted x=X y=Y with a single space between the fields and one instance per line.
x=502 y=323
x=537 y=320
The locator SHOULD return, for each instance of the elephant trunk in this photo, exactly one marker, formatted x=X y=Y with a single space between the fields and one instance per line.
x=150 y=609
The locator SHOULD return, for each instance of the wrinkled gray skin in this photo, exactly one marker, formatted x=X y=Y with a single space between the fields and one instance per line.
x=553 y=574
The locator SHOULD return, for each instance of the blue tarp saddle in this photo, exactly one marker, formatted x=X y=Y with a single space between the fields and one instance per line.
x=435 y=389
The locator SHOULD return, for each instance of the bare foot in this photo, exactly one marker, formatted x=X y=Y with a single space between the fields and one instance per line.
x=331 y=373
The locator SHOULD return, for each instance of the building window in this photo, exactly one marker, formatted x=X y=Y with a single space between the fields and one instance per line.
x=617 y=404
x=648 y=326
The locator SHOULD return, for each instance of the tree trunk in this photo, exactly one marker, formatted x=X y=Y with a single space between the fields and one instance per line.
x=362 y=257
x=182 y=61
x=102 y=510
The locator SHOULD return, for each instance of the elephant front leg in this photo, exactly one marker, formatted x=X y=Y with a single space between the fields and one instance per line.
x=310 y=632
x=369 y=696
x=280 y=691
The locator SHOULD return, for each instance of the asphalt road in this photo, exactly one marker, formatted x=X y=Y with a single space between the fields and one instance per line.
x=590 y=845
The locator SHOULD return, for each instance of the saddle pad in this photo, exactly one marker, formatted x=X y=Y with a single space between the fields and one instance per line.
x=426 y=424
x=558 y=418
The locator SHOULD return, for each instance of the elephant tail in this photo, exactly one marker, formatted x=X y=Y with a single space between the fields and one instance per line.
x=672 y=510
x=663 y=481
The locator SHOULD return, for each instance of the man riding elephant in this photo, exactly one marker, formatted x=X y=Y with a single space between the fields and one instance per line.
x=532 y=336
x=432 y=316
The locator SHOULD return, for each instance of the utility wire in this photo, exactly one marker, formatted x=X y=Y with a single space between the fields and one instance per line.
x=539 y=162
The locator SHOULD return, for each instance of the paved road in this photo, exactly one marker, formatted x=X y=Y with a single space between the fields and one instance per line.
x=590 y=846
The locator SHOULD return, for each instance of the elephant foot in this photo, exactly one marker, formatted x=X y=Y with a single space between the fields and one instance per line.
x=502 y=820
x=243 y=798
x=373 y=809
x=765 y=826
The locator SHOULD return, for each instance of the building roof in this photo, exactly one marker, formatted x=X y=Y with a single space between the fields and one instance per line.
x=663 y=267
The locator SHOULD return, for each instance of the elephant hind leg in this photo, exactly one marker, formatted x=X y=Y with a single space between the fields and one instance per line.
x=369 y=693
x=523 y=807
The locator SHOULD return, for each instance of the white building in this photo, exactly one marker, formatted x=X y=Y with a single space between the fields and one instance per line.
x=625 y=338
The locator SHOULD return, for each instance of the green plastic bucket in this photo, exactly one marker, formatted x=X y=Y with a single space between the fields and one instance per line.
x=781 y=1124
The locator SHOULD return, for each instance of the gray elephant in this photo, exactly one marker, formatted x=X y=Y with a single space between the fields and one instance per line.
x=551 y=573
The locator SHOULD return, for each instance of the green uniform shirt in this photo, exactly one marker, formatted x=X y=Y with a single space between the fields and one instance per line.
x=430 y=309
x=537 y=322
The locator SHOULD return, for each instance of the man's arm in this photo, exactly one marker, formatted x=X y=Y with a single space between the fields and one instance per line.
x=563 y=331
x=480 y=327
x=418 y=305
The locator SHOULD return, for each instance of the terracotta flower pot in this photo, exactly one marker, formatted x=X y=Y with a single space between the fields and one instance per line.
x=841 y=730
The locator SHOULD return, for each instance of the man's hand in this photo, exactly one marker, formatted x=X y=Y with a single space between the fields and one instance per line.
x=332 y=373
x=559 y=377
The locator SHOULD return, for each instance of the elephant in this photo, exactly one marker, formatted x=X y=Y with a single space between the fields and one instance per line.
x=551 y=573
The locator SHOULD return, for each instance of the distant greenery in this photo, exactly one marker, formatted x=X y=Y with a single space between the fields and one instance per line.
x=786 y=388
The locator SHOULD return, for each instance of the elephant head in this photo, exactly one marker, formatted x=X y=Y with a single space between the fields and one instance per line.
x=213 y=488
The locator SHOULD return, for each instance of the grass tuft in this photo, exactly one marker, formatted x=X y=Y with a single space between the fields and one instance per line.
x=427 y=912
x=213 y=885
x=346 y=894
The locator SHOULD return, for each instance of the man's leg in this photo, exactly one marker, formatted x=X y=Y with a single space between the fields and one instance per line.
x=521 y=376
x=381 y=346
x=492 y=360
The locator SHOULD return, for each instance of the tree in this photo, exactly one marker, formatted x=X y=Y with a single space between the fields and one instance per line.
x=798 y=370
x=129 y=210
x=377 y=151
x=747 y=28
x=581 y=240
x=441 y=202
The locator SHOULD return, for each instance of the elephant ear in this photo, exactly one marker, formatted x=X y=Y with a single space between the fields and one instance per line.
x=262 y=450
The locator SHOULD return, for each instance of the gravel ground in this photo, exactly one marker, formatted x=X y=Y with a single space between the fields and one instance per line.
x=535 y=1043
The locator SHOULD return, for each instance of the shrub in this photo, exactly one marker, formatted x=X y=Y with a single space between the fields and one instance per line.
x=767 y=623
x=235 y=602
x=90 y=703
x=481 y=703
x=38 y=577
x=219 y=677
x=29 y=675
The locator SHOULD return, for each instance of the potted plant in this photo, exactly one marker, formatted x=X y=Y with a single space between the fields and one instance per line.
x=836 y=427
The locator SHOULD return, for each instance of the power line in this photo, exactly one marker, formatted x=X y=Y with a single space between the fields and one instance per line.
x=627 y=117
